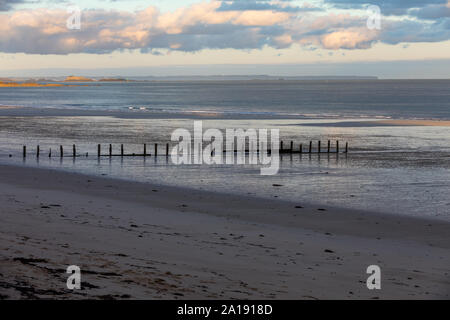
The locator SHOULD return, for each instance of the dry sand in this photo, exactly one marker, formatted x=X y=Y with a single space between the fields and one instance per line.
x=145 y=241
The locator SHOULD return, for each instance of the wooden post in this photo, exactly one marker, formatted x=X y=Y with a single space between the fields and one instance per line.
x=337 y=146
x=99 y=150
x=50 y=153
x=38 y=150
x=346 y=147
x=292 y=146
x=121 y=150
x=74 y=151
x=61 y=151
x=24 y=151
x=110 y=150
x=281 y=147
x=145 y=149
x=301 y=148
x=310 y=146
x=329 y=146
x=318 y=146
x=167 y=149
x=156 y=149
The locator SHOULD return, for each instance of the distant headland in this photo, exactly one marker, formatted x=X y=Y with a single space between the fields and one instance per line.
x=84 y=79
x=44 y=82
x=28 y=84
x=62 y=80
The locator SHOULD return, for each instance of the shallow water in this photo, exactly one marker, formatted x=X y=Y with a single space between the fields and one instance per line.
x=318 y=99
x=385 y=164
x=398 y=169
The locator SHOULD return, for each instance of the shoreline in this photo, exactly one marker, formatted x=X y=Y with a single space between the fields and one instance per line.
x=150 y=241
x=383 y=123
x=20 y=111
x=135 y=114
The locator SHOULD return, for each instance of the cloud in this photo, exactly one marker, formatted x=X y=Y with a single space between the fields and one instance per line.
x=207 y=25
x=259 y=5
x=388 y=7
x=6 y=5
x=415 y=31
x=200 y=26
x=432 y=12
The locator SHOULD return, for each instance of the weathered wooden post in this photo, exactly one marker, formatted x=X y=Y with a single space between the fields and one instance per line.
x=301 y=148
x=346 y=147
x=337 y=146
x=110 y=150
x=318 y=147
x=167 y=150
x=38 y=150
x=74 y=151
x=99 y=150
x=329 y=146
x=310 y=146
x=145 y=149
x=292 y=146
x=156 y=149
x=121 y=150
x=50 y=153
x=61 y=151
x=281 y=147
x=24 y=151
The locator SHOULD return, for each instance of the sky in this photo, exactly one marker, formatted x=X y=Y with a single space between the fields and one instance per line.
x=392 y=39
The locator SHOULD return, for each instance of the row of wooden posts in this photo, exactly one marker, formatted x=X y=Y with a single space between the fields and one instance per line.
x=145 y=154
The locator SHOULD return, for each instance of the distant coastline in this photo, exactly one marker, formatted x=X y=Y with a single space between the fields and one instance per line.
x=28 y=84
x=149 y=78
x=86 y=79
x=51 y=82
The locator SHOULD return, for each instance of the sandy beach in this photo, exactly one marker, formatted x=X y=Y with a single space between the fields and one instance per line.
x=146 y=241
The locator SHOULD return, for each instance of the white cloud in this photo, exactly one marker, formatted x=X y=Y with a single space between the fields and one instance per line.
x=203 y=26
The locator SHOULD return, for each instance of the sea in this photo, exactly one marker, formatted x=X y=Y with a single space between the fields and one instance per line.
x=402 y=170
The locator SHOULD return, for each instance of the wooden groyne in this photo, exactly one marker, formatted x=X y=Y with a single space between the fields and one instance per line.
x=293 y=149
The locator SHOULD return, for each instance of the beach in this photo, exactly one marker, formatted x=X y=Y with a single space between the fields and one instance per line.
x=149 y=241
x=225 y=153
x=146 y=228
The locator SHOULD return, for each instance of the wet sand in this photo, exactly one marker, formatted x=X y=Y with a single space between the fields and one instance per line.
x=147 y=241
x=135 y=113
x=378 y=123
x=430 y=123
